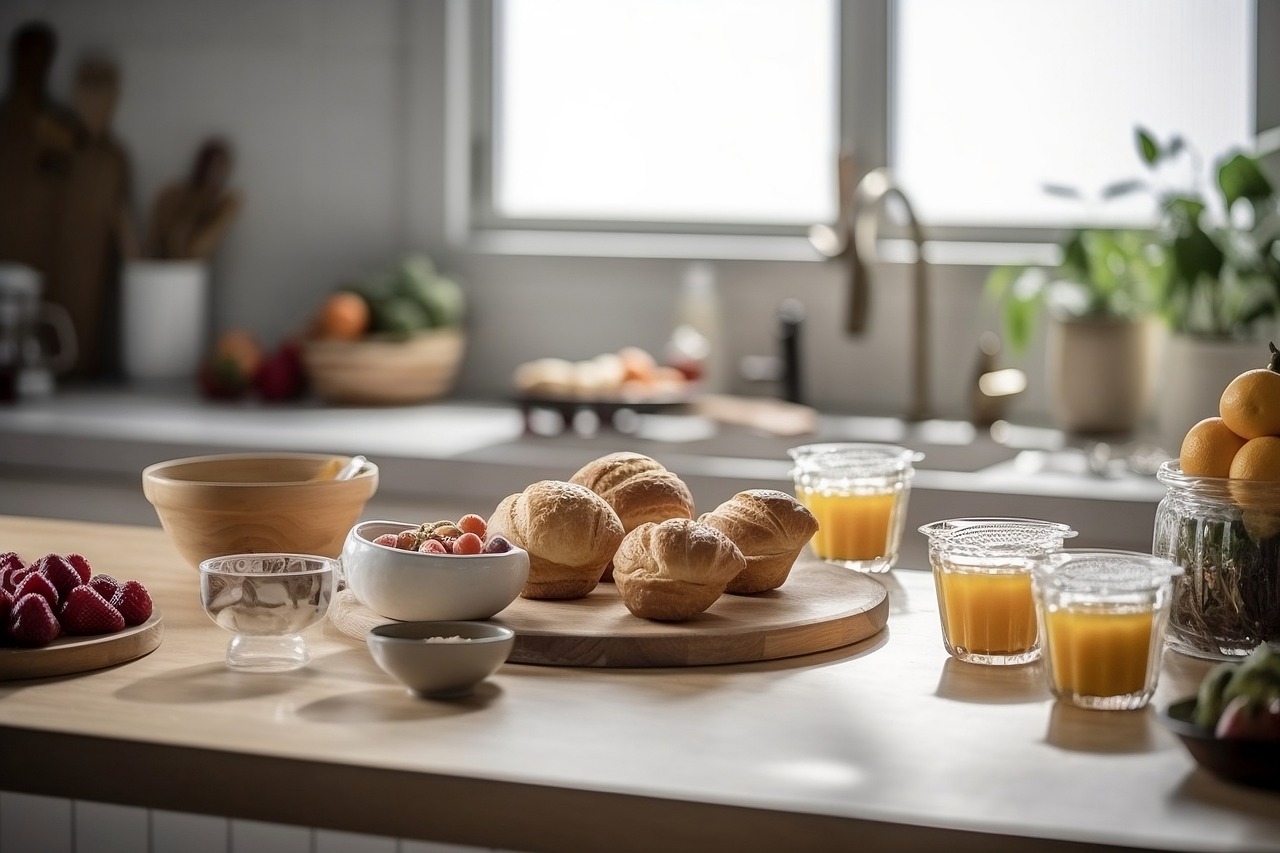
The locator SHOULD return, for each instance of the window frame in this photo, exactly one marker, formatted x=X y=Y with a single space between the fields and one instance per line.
x=865 y=63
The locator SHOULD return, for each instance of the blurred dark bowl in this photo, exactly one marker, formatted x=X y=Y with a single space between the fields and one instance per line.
x=1248 y=762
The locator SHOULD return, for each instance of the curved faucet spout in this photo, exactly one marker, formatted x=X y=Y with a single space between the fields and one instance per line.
x=867 y=206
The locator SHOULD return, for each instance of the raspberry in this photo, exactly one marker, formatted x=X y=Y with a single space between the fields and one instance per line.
x=86 y=612
x=105 y=586
x=134 y=603
x=60 y=573
x=6 y=607
x=39 y=584
x=82 y=567
x=10 y=559
x=32 y=622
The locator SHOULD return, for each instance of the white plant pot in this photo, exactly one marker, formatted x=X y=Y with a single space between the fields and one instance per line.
x=1193 y=373
x=1099 y=373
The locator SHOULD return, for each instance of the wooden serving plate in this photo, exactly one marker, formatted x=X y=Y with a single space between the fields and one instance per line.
x=70 y=655
x=820 y=607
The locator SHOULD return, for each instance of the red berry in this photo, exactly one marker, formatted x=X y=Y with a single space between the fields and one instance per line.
x=134 y=603
x=388 y=539
x=472 y=523
x=468 y=543
x=10 y=559
x=32 y=622
x=497 y=545
x=39 y=584
x=105 y=586
x=85 y=612
x=433 y=546
x=407 y=540
x=81 y=565
x=6 y=607
x=60 y=572
x=11 y=577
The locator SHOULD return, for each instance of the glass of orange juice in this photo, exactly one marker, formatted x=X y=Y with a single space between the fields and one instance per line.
x=858 y=492
x=1102 y=615
x=982 y=575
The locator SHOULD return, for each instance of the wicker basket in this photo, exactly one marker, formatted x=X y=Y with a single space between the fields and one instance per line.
x=385 y=372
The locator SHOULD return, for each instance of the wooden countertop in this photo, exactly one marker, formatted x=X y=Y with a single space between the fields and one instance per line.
x=887 y=744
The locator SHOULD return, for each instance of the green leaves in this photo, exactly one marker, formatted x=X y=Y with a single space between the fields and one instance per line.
x=1240 y=177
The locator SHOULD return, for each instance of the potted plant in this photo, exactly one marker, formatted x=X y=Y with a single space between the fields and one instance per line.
x=1097 y=301
x=1222 y=297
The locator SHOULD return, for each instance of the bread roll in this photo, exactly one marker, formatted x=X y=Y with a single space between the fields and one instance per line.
x=770 y=528
x=638 y=488
x=570 y=532
x=673 y=570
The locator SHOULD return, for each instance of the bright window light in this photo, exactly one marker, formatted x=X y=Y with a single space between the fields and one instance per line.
x=994 y=99
x=703 y=111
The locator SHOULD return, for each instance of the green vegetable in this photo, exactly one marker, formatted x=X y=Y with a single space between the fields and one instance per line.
x=1257 y=678
x=410 y=297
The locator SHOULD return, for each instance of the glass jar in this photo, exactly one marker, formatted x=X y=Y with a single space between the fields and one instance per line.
x=1226 y=536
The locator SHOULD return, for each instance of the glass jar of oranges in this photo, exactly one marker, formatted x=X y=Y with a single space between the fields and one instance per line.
x=1225 y=533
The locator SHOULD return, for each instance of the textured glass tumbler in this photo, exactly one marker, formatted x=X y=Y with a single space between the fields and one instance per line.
x=266 y=601
x=1102 y=617
x=982 y=575
x=858 y=492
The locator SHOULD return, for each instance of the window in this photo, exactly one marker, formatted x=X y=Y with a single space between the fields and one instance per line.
x=725 y=116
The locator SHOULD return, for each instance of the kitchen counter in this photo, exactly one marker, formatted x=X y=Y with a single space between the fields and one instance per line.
x=884 y=745
x=79 y=454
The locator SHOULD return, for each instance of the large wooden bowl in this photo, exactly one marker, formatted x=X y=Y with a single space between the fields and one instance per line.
x=385 y=371
x=254 y=502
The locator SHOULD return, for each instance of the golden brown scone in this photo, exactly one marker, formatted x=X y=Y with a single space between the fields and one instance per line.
x=675 y=569
x=770 y=528
x=570 y=532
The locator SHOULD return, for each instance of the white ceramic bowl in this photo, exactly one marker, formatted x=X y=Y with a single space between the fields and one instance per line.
x=410 y=586
x=440 y=660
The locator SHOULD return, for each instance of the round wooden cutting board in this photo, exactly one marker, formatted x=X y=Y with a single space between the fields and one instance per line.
x=70 y=655
x=820 y=607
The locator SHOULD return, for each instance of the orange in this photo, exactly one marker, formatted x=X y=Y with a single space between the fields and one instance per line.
x=1250 y=404
x=342 y=316
x=240 y=347
x=1208 y=449
x=1259 y=459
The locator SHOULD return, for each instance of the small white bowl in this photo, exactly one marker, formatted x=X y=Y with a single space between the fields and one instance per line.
x=410 y=586
x=440 y=660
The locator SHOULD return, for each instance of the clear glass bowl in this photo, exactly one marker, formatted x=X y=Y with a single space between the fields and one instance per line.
x=858 y=492
x=266 y=601
x=1226 y=536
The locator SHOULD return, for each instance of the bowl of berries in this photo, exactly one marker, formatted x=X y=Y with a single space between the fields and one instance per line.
x=435 y=571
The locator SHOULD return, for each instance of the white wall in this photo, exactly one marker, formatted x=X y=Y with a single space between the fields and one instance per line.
x=337 y=112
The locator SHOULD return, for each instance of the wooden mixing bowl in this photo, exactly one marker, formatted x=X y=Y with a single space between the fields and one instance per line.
x=256 y=502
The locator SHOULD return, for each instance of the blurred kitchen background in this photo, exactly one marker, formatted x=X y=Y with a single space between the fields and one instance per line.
x=356 y=140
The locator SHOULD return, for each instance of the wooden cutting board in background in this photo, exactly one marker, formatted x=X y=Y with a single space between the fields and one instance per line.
x=820 y=607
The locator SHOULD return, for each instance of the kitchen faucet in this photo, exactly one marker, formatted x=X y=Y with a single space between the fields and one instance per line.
x=857 y=245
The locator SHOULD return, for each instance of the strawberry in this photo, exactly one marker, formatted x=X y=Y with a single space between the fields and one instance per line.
x=81 y=565
x=86 y=612
x=59 y=572
x=38 y=583
x=105 y=585
x=11 y=577
x=134 y=603
x=32 y=622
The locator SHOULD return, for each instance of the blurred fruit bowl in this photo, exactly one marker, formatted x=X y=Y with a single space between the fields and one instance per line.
x=385 y=371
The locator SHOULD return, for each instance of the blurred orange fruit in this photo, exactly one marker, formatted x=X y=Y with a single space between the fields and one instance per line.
x=241 y=348
x=342 y=316
x=1259 y=459
x=1209 y=448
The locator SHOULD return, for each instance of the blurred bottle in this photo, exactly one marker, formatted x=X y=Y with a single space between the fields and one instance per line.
x=696 y=347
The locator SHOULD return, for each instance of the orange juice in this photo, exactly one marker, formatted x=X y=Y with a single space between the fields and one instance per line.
x=851 y=526
x=1099 y=651
x=987 y=613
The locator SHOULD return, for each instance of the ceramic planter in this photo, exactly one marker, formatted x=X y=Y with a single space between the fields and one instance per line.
x=1099 y=373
